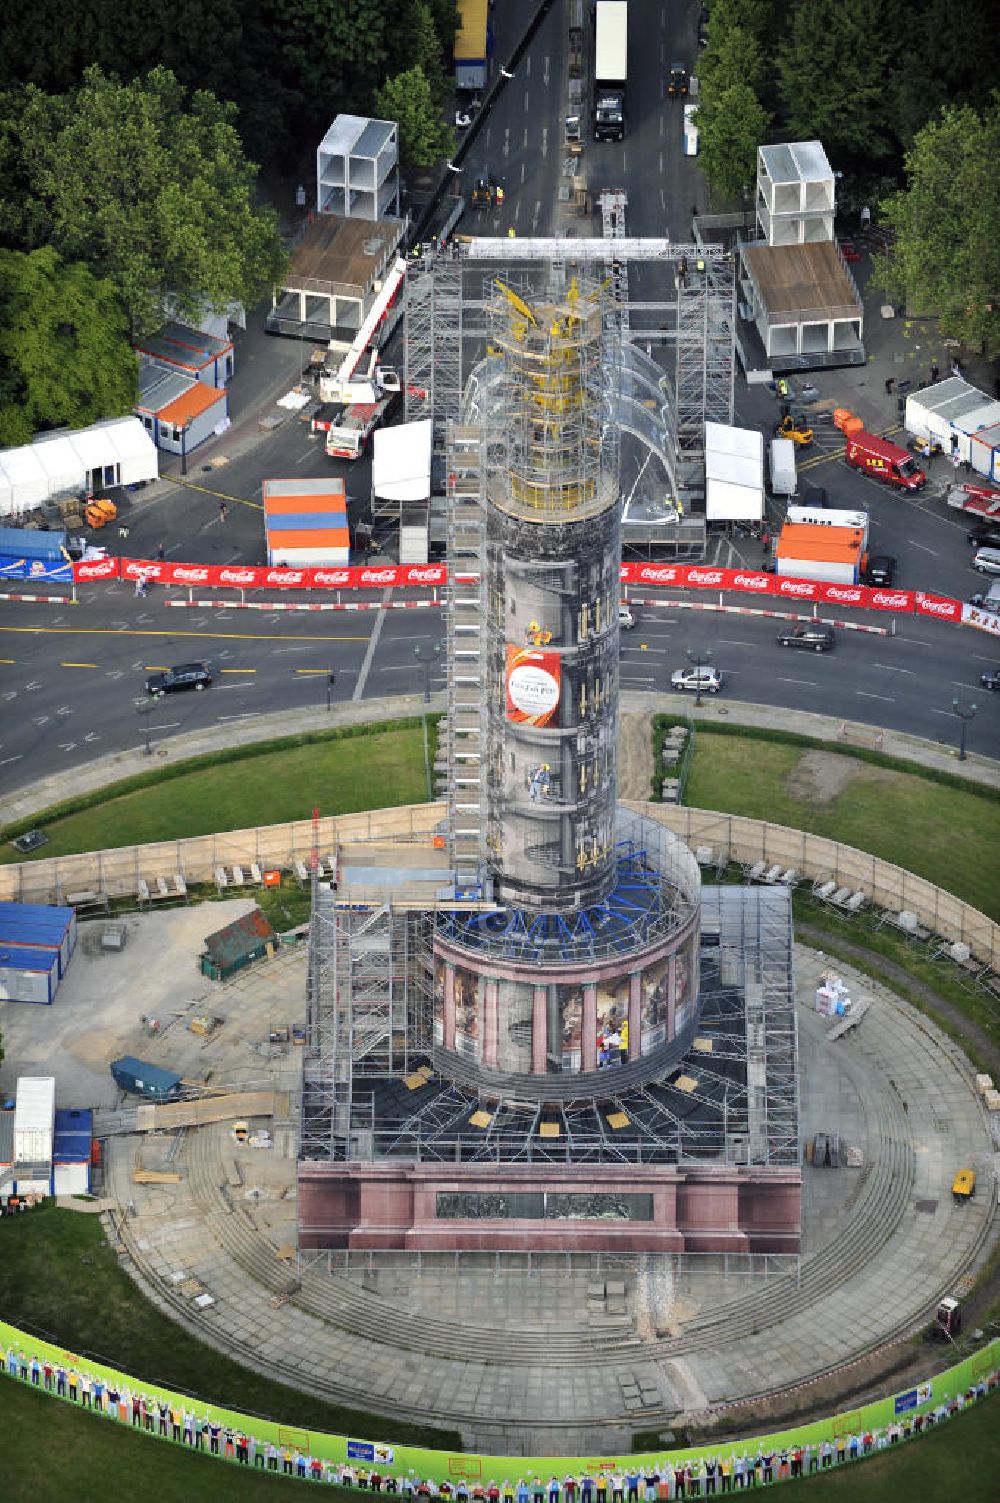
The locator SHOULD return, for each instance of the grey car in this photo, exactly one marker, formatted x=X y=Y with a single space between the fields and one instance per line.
x=814 y=636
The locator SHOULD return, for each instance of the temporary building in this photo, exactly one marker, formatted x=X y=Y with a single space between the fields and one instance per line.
x=230 y=949
x=34 y=1120
x=39 y=926
x=955 y=413
x=112 y=453
x=178 y=412
x=71 y=1152
x=806 y=551
x=734 y=473
x=193 y=353
x=28 y=975
x=306 y=523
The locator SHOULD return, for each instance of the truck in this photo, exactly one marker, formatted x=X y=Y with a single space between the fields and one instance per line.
x=783 y=477
x=884 y=461
x=352 y=424
x=352 y=407
x=610 y=69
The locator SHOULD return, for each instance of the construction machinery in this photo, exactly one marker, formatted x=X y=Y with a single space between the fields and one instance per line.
x=487 y=194
x=677 y=81
x=99 y=511
x=948 y=1317
x=793 y=428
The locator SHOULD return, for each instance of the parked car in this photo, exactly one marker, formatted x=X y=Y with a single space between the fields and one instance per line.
x=183 y=676
x=880 y=569
x=990 y=679
x=626 y=617
x=987 y=560
x=985 y=535
x=703 y=680
x=815 y=636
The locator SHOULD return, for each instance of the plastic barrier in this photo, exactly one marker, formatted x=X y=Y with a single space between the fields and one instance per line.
x=880 y=1424
x=250 y=577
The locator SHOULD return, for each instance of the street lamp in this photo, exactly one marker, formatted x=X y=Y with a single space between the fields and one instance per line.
x=965 y=713
x=145 y=708
x=700 y=657
x=331 y=679
x=426 y=661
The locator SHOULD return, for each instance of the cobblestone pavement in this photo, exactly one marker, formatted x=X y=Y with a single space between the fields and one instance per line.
x=507 y=1349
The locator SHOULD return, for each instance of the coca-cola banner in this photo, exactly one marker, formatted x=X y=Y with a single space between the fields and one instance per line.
x=97 y=568
x=249 y=577
x=937 y=605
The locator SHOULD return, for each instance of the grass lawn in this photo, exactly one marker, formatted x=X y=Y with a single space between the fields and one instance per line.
x=62 y=1453
x=339 y=774
x=945 y=834
x=59 y=1277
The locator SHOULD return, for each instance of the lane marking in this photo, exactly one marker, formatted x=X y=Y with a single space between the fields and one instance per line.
x=226 y=636
x=810 y=683
x=78 y=665
x=864 y=694
x=239 y=670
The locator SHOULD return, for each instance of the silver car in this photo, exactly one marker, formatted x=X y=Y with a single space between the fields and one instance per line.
x=703 y=680
x=987 y=561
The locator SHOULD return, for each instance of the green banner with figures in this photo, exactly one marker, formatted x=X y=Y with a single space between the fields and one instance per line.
x=40 y=1365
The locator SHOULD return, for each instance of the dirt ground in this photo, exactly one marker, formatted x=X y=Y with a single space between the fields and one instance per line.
x=635 y=755
x=819 y=776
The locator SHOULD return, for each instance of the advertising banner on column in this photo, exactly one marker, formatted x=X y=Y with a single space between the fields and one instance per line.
x=534 y=679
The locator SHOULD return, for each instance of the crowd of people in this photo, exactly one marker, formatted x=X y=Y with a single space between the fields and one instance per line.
x=756 y=1464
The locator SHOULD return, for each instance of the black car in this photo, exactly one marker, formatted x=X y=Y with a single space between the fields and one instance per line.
x=984 y=535
x=880 y=570
x=990 y=679
x=815 y=637
x=183 y=676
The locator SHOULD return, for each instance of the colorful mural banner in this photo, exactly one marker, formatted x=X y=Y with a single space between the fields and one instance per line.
x=945 y=1389
x=534 y=683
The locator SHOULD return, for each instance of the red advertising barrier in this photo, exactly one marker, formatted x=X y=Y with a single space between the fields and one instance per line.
x=698 y=576
x=386 y=576
x=938 y=605
x=162 y=571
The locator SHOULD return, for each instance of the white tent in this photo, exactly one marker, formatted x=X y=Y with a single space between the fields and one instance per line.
x=734 y=474
x=115 y=452
x=401 y=463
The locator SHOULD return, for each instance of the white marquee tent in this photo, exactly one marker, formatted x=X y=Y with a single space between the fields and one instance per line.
x=734 y=474
x=115 y=452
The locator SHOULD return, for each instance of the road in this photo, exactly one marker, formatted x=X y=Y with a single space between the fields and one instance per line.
x=71 y=679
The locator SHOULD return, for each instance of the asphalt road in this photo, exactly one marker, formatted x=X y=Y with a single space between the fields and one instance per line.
x=71 y=679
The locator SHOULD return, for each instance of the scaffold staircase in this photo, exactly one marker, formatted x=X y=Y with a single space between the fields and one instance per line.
x=613 y=207
x=464 y=618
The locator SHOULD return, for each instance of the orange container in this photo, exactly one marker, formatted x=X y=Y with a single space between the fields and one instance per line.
x=842 y=416
x=272 y=878
x=853 y=425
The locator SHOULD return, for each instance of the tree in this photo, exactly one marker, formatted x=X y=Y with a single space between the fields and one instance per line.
x=836 y=64
x=418 y=44
x=64 y=347
x=947 y=223
x=730 y=128
x=149 y=187
x=423 y=135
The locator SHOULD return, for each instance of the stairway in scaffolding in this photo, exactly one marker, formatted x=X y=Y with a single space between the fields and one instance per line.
x=613 y=210
x=464 y=617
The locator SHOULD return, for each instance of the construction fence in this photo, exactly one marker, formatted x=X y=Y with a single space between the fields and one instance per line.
x=717 y=839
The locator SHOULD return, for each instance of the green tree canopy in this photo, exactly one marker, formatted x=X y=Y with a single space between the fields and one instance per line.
x=731 y=125
x=64 y=348
x=149 y=187
x=423 y=135
x=836 y=65
x=947 y=223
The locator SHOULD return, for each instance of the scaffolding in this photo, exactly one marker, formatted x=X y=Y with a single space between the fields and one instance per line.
x=445 y=313
x=433 y=343
x=464 y=616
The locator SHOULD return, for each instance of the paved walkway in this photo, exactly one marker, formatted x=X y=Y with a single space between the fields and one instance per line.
x=635 y=772
x=509 y=1352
